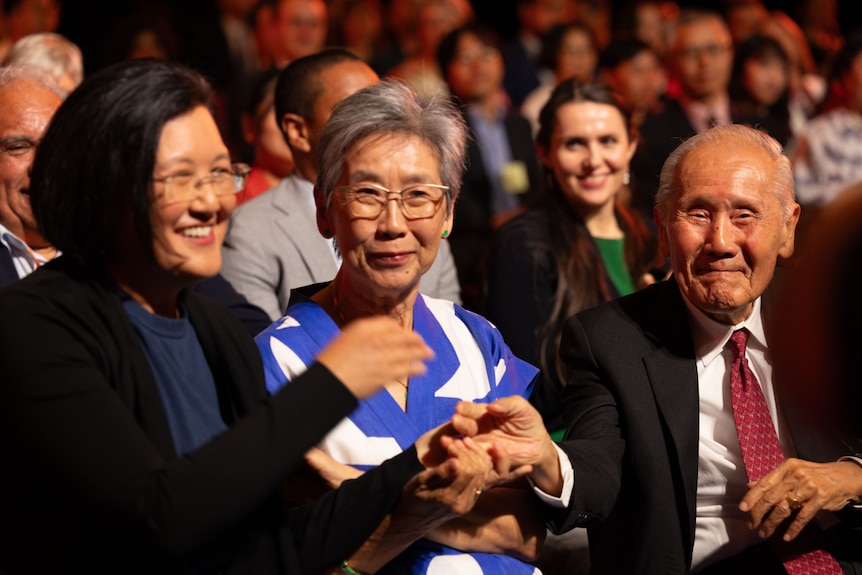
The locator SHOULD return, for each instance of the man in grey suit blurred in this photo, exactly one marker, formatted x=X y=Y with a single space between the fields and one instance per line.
x=272 y=244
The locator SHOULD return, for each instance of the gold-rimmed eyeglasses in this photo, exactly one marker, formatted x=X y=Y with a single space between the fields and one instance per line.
x=185 y=186
x=417 y=201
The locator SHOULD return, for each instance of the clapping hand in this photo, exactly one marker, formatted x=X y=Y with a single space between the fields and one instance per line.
x=513 y=427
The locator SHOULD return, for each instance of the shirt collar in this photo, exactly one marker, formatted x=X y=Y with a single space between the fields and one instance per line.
x=477 y=116
x=711 y=337
x=700 y=114
x=15 y=244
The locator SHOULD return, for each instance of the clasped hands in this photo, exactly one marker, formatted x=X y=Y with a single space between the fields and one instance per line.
x=484 y=445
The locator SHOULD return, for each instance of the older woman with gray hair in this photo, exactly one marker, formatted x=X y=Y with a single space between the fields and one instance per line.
x=390 y=172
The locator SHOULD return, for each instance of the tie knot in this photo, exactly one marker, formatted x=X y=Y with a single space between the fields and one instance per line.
x=738 y=341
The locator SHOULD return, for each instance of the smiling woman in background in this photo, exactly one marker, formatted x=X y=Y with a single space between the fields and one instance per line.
x=134 y=427
x=577 y=246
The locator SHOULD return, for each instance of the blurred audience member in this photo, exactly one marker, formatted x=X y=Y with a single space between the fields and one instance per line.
x=219 y=42
x=817 y=338
x=434 y=19
x=634 y=72
x=295 y=28
x=759 y=85
x=649 y=21
x=502 y=165
x=28 y=100
x=399 y=24
x=827 y=155
x=701 y=60
x=819 y=22
x=576 y=245
x=535 y=19
x=357 y=26
x=148 y=32
x=807 y=87
x=51 y=53
x=744 y=18
x=272 y=245
x=571 y=51
x=273 y=160
x=24 y=17
x=234 y=18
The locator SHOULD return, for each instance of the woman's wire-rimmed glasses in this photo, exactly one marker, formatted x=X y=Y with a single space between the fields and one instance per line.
x=183 y=187
x=417 y=201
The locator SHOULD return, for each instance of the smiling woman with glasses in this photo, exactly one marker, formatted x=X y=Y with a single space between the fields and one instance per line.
x=390 y=173
x=136 y=432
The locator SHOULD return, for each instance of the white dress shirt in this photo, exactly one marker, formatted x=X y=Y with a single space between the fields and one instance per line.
x=721 y=529
x=25 y=260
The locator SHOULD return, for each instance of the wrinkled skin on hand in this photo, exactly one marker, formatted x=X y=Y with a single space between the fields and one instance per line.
x=817 y=486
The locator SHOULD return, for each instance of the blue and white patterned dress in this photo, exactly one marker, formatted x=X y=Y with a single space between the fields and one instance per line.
x=471 y=363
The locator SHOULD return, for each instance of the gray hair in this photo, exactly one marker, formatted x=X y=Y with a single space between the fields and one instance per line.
x=391 y=107
x=12 y=74
x=729 y=136
x=49 y=52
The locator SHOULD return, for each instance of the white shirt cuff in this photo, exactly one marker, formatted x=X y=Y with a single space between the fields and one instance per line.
x=568 y=474
x=858 y=461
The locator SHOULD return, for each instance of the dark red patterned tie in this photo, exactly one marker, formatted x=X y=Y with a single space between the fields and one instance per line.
x=761 y=453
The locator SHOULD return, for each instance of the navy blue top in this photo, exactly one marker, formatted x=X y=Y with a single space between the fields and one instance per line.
x=182 y=375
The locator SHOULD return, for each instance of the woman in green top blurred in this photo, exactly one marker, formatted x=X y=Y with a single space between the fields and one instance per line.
x=578 y=245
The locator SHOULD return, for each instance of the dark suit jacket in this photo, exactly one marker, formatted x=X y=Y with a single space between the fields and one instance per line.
x=471 y=235
x=631 y=404
x=91 y=481
x=8 y=274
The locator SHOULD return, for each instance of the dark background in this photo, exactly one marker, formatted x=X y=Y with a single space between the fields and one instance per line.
x=97 y=25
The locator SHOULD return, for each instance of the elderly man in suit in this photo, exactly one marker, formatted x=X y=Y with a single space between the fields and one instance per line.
x=681 y=452
x=272 y=244
x=28 y=100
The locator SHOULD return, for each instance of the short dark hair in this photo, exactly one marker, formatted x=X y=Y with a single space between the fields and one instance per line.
x=96 y=161
x=553 y=41
x=448 y=46
x=299 y=85
x=844 y=59
x=574 y=91
x=620 y=51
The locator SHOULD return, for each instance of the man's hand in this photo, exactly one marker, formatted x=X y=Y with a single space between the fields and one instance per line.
x=513 y=427
x=815 y=486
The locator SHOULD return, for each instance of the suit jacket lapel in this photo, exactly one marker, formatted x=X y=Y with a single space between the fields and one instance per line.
x=299 y=224
x=672 y=373
x=8 y=274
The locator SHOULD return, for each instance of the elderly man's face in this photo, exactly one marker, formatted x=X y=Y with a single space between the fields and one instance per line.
x=27 y=109
x=725 y=229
